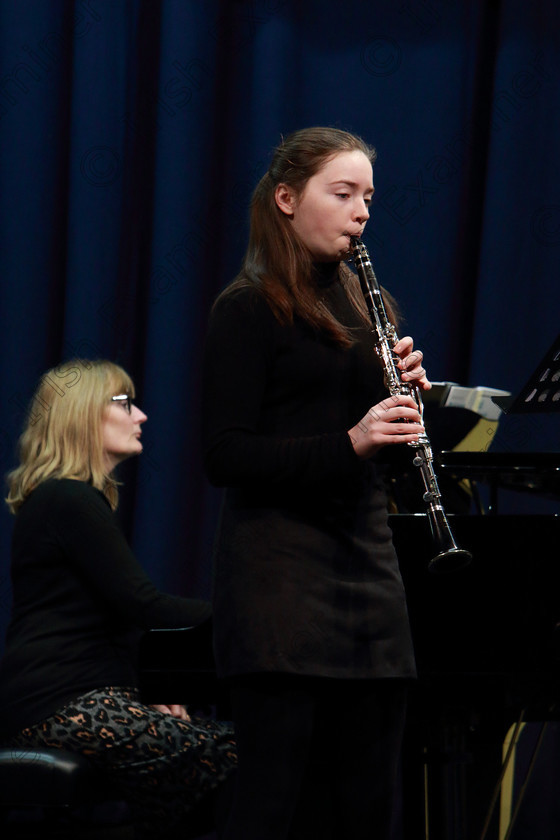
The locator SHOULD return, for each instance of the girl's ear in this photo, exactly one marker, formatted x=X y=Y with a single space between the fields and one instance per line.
x=285 y=198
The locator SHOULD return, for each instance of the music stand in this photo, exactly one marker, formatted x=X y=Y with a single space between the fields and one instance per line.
x=541 y=393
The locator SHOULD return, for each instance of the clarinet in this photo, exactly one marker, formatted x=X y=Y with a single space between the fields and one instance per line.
x=448 y=555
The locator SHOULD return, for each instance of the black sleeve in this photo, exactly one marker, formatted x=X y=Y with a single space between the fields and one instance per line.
x=238 y=359
x=95 y=546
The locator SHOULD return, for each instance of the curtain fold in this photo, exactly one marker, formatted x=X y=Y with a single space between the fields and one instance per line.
x=132 y=135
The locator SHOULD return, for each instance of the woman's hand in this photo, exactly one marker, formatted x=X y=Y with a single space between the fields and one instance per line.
x=394 y=420
x=410 y=363
x=175 y=710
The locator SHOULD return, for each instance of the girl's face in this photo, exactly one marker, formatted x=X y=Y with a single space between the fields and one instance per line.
x=333 y=206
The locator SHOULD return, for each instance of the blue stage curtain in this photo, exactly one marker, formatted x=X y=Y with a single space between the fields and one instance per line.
x=132 y=134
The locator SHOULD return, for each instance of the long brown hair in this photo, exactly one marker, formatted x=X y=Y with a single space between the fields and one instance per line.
x=62 y=436
x=276 y=261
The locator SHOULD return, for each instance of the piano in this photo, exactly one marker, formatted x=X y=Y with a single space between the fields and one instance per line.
x=177 y=666
x=487 y=644
x=487 y=641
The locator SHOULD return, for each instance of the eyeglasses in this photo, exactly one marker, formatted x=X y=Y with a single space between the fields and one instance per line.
x=124 y=400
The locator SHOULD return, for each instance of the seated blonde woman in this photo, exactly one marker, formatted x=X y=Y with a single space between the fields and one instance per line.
x=80 y=601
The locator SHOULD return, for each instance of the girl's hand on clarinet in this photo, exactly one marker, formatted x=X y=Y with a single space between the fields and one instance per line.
x=394 y=420
x=410 y=363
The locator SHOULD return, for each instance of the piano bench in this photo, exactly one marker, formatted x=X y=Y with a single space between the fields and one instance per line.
x=43 y=790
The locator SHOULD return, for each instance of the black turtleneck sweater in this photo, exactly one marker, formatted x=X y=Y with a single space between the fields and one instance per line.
x=306 y=577
x=80 y=600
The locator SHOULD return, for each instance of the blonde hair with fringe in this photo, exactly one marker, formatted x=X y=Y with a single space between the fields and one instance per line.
x=62 y=437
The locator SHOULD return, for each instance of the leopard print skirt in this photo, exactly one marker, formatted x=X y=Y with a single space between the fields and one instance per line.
x=160 y=765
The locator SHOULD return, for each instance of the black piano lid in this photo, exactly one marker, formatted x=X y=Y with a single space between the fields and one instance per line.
x=531 y=471
x=506 y=462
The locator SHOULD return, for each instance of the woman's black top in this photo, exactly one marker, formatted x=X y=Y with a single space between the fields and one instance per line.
x=306 y=576
x=80 y=600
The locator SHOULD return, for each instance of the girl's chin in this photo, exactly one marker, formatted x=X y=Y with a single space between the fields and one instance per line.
x=339 y=254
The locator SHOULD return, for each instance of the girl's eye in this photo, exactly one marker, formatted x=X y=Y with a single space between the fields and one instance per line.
x=343 y=195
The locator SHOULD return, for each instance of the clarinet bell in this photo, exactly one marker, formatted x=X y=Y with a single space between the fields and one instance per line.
x=449 y=561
